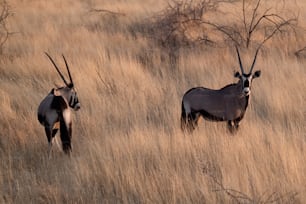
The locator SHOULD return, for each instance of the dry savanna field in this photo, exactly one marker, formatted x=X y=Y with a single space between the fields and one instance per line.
x=127 y=143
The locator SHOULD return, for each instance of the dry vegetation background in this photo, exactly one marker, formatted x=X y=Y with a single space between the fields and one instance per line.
x=127 y=142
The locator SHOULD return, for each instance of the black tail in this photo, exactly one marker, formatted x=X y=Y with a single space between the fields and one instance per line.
x=188 y=120
x=66 y=136
x=184 y=119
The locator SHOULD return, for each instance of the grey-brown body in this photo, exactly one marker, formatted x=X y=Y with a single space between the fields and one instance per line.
x=54 y=112
x=226 y=104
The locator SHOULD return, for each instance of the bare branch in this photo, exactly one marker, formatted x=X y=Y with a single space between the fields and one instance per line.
x=4 y=33
x=255 y=12
x=237 y=196
x=276 y=197
x=298 y=52
x=240 y=197
x=107 y=11
x=276 y=29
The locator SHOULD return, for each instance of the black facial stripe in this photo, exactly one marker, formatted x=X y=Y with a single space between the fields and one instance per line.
x=246 y=83
x=76 y=100
x=73 y=101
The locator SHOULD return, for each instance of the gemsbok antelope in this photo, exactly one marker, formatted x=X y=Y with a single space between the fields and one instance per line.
x=226 y=104
x=54 y=111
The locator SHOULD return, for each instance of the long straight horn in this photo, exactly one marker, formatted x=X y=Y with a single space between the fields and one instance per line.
x=254 y=60
x=57 y=69
x=241 y=67
x=68 y=70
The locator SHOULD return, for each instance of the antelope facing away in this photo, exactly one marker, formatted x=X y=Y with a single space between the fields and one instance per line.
x=54 y=111
x=226 y=104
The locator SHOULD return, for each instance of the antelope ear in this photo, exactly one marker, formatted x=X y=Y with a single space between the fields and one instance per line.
x=237 y=75
x=56 y=92
x=70 y=85
x=256 y=74
x=52 y=91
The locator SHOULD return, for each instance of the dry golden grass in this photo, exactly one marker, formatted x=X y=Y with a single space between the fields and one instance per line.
x=127 y=142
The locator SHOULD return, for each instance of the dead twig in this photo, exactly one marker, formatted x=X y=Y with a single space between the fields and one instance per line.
x=299 y=52
x=107 y=11
x=4 y=32
x=214 y=174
